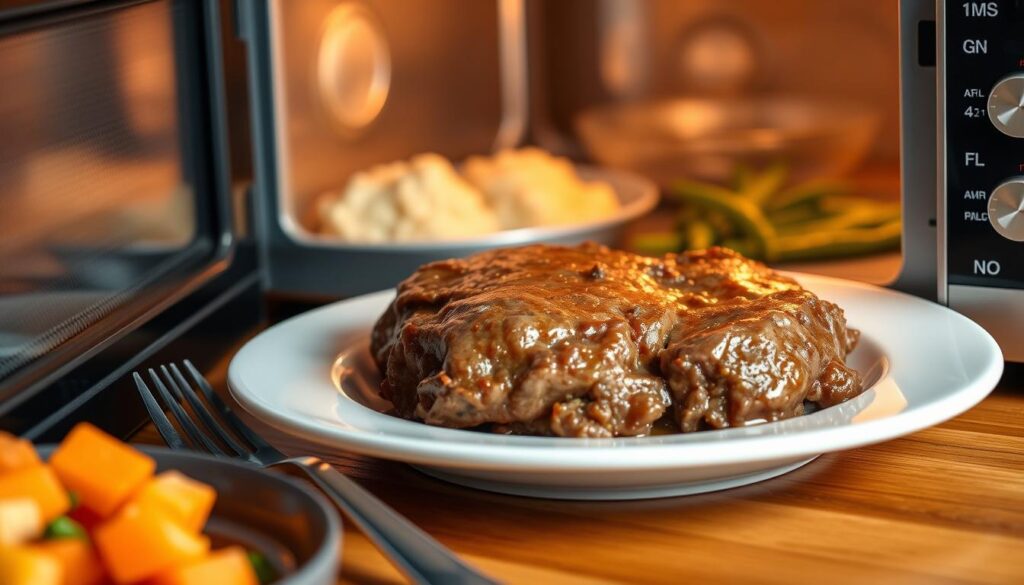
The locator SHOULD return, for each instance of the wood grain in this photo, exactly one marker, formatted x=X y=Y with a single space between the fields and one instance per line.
x=945 y=505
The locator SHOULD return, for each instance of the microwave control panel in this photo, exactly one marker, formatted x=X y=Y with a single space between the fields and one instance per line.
x=983 y=73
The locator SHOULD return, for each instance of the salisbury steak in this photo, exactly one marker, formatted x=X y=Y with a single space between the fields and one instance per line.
x=588 y=341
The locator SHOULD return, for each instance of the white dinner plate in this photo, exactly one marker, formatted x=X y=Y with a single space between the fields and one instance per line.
x=312 y=376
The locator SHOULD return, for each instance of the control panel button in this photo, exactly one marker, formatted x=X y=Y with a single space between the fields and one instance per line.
x=1006 y=106
x=1006 y=209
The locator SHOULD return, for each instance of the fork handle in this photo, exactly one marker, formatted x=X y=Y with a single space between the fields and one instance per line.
x=414 y=552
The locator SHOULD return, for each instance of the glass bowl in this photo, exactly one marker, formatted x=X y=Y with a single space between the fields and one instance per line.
x=707 y=139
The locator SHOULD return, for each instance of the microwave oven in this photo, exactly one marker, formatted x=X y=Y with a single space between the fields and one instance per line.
x=978 y=96
x=159 y=155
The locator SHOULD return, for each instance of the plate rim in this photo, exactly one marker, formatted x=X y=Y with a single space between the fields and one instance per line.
x=524 y=453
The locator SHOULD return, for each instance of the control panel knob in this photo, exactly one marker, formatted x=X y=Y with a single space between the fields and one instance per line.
x=1006 y=106
x=1006 y=209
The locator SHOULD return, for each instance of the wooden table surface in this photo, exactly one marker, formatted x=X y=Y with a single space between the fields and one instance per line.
x=945 y=505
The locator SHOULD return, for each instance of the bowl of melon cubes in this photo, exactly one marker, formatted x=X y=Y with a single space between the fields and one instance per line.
x=95 y=511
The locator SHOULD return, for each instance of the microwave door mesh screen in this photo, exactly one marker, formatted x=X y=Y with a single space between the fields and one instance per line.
x=94 y=203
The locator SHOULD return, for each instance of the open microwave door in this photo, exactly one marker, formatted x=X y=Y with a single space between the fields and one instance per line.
x=118 y=238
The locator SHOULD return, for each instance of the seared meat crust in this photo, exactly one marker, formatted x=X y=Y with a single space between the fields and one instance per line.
x=587 y=341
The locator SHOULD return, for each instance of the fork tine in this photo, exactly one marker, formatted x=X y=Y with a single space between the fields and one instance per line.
x=156 y=414
x=226 y=414
x=204 y=414
x=195 y=434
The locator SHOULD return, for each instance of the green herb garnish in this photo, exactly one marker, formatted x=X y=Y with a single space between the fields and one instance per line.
x=262 y=567
x=64 y=527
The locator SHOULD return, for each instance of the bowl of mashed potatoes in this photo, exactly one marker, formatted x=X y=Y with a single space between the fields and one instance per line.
x=512 y=197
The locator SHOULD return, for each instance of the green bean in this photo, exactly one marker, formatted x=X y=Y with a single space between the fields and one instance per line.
x=743 y=212
x=657 y=243
x=762 y=186
x=849 y=242
x=699 y=235
x=863 y=214
x=809 y=191
x=722 y=225
x=762 y=218
x=794 y=214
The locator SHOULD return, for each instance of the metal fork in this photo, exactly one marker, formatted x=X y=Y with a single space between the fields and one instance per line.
x=413 y=551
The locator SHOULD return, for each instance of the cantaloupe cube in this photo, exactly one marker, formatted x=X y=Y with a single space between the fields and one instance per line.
x=24 y=566
x=38 y=483
x=21 y=520
x=140 y=542
x=227 y=566
x=103 y=471
x=16 y=453
x=80 y=565
x=185 y=499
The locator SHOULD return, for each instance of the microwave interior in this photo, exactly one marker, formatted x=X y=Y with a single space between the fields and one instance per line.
x=339 y=86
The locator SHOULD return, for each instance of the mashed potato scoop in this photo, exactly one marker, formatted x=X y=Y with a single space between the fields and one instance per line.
x=427 y=199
